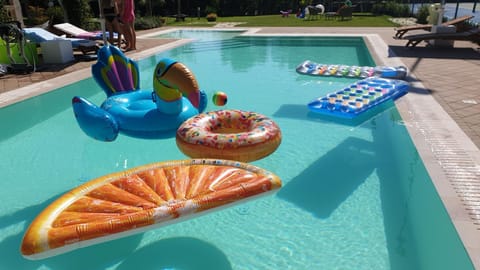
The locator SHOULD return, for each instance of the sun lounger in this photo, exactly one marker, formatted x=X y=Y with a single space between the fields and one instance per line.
x=345 y=13
x=77 y=32
x=400 y=31
x=285 y=13
x=313 y=12
x=39 y=35
x=472 y=35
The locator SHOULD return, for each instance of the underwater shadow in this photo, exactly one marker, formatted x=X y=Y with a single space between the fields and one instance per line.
x=26 y=214
x=154 y=136
x=184 y=253
x=94 y=257
x=324 y=185
x=301 y=112
x=10 y=246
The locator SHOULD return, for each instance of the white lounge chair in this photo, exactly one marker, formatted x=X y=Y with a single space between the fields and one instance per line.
x=39 y=35
x=75 y=31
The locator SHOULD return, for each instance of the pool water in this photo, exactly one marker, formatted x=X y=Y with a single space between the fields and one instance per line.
x=356 y=194
x=200 y=35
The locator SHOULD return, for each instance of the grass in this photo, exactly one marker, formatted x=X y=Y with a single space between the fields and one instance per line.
x=359 y=20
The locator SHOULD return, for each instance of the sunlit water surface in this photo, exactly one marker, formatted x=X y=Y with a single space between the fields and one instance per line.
x=356 y=194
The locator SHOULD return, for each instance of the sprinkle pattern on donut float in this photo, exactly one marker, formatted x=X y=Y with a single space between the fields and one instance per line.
x=226 y=132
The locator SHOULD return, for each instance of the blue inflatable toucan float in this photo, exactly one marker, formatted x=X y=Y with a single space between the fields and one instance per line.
x=133 y=111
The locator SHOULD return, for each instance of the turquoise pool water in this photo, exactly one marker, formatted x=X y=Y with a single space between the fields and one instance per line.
x=356 y=194
x=201 y=35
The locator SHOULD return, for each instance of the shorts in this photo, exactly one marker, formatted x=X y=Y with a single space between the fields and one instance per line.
x=109 y=14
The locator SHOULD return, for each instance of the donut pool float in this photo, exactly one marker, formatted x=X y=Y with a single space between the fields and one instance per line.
x=229 y=134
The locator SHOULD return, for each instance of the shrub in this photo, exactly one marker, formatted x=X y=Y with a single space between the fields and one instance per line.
x=36 y=15
x=55 y=14
x=3 y=12
x=210 y=9
x=211 y=17
x=78 y=12
x=143 y=23
x=391 y=8
x=422 y=14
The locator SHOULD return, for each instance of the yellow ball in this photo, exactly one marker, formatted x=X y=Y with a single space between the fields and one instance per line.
x=219 y=98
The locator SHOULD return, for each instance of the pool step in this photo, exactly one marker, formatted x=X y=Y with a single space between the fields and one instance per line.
x=214 y=45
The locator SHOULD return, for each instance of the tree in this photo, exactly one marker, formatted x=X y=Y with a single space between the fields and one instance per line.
x=78 y=11
x=3 y=12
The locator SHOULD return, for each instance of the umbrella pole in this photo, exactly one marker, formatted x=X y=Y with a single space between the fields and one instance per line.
x=440 y=14
x=102 y=23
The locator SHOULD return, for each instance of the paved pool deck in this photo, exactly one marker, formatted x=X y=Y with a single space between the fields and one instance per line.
x=441 y=112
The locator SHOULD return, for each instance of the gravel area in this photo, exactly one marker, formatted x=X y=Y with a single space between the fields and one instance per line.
x=404 y=21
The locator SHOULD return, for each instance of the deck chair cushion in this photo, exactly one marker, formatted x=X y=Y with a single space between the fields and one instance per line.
x=40 y=35
x=75 y=31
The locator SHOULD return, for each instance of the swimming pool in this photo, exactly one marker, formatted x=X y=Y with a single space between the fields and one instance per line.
x=355 y=196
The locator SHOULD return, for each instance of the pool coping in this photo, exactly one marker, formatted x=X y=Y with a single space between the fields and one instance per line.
x=449 y=155
x=26 y=92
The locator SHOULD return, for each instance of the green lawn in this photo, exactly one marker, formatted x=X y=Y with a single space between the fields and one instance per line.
x=359 y=20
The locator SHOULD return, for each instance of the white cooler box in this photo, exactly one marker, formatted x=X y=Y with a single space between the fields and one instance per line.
x=57 y=51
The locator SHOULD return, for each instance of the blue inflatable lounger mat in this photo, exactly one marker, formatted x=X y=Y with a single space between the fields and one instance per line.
x=359 y=97
x=315 y=69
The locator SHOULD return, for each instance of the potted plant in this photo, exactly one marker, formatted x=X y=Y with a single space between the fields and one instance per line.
x=211 y=17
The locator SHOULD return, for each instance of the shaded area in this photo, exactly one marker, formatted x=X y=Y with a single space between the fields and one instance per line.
x=184 y=253
x=301 y=112
x=330 y=180
x=434 y=53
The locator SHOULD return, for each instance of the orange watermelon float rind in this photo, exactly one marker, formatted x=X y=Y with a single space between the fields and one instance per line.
x=140 y=199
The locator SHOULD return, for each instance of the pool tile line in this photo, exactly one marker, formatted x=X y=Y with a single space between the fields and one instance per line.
x=35 y=89
x=39 y=88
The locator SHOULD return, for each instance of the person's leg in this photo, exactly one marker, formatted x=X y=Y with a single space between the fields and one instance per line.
x=117 y=28
x=133 y=46
x=127 y=34
x=108 y=27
